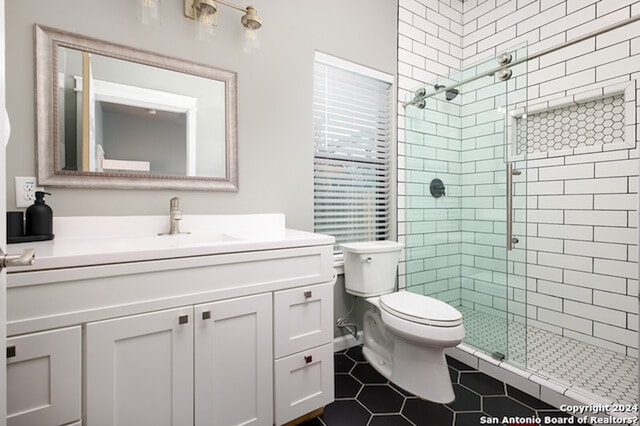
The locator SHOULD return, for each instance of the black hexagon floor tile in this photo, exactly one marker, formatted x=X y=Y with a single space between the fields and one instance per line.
x=481 y=383
x=527 y=399
x=346 y=386
x=381 y=399
x=355 y=353
x=500 y=406
x=466 y=400
x=389 y=420
x=427 y=413
x=454 y=375
x=342 y=363
x=366 y=398
x=345 y=413
x=403 y=392
x=367 y=374
x=469 y=419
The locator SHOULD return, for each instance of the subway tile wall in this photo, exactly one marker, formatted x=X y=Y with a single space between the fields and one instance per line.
x=579 y=274
x=430 y=50
x=433 y=227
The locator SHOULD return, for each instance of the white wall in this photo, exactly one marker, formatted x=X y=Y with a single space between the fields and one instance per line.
x=584 y=291
x=274 y=92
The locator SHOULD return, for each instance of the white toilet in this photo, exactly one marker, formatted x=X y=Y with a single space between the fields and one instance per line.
x=405 y=334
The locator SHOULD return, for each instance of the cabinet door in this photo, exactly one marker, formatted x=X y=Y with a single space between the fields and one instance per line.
x=304 y=383
x=139 y=370
x=234 y=362
x=43 y=378
x=303 y=318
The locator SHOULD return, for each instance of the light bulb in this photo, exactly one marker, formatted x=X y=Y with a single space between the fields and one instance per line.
x=150 y=12
x=205 y=27
x=251 y=40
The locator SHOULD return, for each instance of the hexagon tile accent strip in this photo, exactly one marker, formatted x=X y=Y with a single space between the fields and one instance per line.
x=596 y=122
x=365 y=398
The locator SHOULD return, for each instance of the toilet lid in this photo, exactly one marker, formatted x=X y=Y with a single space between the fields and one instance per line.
x=421 y=309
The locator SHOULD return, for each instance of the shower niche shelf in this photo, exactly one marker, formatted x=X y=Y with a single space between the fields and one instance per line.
x=583 y=122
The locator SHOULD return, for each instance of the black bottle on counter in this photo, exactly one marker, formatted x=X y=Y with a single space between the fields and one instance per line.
x=39 y=218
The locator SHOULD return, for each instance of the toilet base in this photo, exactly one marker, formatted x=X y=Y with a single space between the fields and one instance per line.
x=421 y=370
x=427 y=378
x=377 y=345
x=381 y=365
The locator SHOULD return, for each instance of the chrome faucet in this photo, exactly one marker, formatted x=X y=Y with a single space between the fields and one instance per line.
x=175 y=216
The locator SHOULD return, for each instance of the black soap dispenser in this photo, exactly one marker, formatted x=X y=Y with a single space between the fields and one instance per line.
x=39 y=218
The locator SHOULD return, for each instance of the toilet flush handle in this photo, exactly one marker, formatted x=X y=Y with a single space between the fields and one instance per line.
x=365 y=259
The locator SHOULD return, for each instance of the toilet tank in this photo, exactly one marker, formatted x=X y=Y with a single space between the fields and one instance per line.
x=370 y=268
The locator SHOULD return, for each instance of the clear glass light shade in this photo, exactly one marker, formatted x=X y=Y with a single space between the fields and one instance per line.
x=251 y=40
x=205 y=27
x=149 y=12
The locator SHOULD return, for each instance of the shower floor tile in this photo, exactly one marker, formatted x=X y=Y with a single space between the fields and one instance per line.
x=600 y=371
x=376 y=402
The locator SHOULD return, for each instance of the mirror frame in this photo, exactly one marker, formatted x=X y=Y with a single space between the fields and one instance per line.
x=47 y=41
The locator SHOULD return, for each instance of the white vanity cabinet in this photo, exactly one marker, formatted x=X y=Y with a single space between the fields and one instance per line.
x=44 y=378
x=139 y=369
x=303 y=335
x=184 y=334
x=234 y=362
x=143 y=369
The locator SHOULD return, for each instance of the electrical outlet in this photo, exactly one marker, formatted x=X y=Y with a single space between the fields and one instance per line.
x=26 y=191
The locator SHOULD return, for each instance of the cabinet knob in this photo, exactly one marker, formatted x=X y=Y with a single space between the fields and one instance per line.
x=308 y=359
x=183 y=319
x=307 y=294
x=11 y=351
x=206 y=315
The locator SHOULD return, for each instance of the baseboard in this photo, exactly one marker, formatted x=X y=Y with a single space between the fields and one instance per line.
x=347 y=341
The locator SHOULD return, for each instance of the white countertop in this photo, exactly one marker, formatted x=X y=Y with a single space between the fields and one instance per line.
x=86 y=241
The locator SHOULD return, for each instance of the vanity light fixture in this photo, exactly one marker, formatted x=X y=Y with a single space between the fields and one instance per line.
x=149 y=12
x=205 y=12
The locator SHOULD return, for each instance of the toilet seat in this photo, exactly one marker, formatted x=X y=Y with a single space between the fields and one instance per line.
x=420 y=309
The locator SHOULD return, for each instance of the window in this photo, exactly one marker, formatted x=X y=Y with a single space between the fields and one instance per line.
x=352 y=114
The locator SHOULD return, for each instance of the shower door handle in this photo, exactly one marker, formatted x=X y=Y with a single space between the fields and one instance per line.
x=511 y=239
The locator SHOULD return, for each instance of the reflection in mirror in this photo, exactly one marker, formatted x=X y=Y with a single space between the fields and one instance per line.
x=130 y=118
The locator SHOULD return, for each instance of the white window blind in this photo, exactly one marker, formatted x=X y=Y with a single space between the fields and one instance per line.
x=352 y=135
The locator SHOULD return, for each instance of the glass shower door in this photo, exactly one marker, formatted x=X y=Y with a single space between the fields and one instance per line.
x=484 y=265
x=458 y=249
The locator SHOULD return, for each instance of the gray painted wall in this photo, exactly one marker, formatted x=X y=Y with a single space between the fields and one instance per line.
x=274 y=92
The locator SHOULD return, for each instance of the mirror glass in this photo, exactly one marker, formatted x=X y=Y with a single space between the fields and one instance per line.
x=113 y=116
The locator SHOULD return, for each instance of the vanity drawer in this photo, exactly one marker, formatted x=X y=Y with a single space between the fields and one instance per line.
x=303 y=318
x=43 y=378
x=304 y=383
